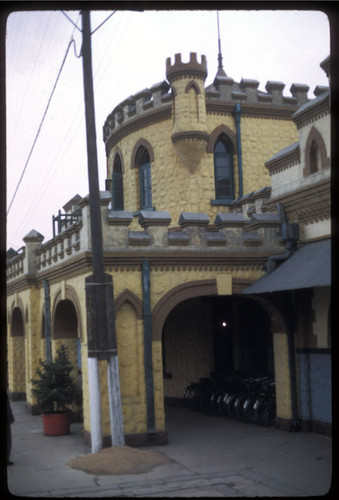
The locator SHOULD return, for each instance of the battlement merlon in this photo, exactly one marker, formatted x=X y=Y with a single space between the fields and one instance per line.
x=155 y=101
x=192 y=69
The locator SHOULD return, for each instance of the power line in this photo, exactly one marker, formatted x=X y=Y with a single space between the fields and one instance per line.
x=96 y=29
x=103 y=22
x=40 y=126
x=74 y=24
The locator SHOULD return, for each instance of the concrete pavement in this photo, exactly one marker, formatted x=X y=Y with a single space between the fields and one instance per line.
x=210 y=457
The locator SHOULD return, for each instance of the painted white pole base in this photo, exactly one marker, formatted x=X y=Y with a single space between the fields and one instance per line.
x=95 y=404
x=117 y=427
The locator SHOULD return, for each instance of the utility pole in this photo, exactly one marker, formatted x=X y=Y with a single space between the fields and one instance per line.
x=101 y=332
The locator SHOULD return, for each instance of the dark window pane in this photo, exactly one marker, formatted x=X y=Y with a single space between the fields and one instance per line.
x=117 y=192
x=223 y=170
x=145 y=186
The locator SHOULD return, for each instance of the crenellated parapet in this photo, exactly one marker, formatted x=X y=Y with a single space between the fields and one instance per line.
x=194 y=232
x=156 y=103
x=192 y=69
x=243 y=230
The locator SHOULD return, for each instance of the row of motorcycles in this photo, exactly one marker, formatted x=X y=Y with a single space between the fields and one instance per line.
x=250 y=399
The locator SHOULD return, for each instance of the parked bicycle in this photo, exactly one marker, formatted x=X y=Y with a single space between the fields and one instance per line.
x=250 y=399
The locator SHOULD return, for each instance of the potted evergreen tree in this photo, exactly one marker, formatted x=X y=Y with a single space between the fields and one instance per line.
x=55 y=390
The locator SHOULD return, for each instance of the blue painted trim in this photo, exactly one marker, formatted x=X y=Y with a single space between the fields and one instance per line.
x=147 y=317
x=47 y=311
x=237 y=117
x=222 y=202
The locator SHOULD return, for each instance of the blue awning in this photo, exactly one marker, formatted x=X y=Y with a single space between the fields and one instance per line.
x=308 y=267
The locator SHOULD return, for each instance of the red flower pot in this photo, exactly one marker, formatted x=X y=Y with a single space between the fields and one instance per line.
x=56 y=424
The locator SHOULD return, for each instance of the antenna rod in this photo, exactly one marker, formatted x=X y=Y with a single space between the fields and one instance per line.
x=220 y=66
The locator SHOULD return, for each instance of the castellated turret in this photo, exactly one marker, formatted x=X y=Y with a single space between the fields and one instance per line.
x=189 y=133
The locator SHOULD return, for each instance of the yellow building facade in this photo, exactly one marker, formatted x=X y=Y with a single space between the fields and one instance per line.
x=183 y=211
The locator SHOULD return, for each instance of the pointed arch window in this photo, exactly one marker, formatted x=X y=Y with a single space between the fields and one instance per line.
x=117 y=185
x=143 y=163
x=223 y=169
x=314 y=157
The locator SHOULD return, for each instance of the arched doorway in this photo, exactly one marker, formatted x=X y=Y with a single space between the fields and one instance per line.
x=220 y=335
x=16 y=353
x=66 y=331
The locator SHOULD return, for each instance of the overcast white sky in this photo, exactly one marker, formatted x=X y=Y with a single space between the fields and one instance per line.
x=129 y=54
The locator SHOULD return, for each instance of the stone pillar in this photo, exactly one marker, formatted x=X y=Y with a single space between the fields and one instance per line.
x=282 y=376
x=33 y=240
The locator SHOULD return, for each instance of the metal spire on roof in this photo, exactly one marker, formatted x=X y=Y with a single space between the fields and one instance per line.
x=220 y=71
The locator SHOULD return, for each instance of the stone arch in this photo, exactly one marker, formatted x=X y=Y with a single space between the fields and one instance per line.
x=278 y=323
x=119 y=153
x=65 y=326
x=141 y=142
x=17 y=322
x=16 y=351
x=18 y=302
x=222 y=129
x=129 y=296
x=192 y=84
x=65 y=320
x=175 y=296
x=314 y=137
x=70 y=294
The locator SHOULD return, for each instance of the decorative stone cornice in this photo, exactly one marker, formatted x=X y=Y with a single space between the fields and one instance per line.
x=255 y=110
x=308 y=204
x=312 y=111
x=286 y=158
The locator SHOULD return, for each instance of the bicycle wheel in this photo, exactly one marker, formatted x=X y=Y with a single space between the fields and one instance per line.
x=214 y=402
x=230 y=405
x=267 y=411
x=242 y=407
x=191 y=396
x=222 y=404
x=254 y=417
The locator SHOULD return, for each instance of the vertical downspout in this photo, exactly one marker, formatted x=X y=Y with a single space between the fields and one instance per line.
x=147 y=317
x=47 y=322
x=292 y=365
x=237 y=117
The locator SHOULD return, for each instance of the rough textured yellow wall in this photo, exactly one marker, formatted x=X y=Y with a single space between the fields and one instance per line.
x=131 y=369
x=282 y=379
x=261 y=139
x=175 y=189
x=190 y=108
x=18 y=347
x=33 y=339
x=16 y=364
x=158 y=385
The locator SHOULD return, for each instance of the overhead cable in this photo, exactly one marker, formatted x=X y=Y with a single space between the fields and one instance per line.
x=74 y=24
x=103 y=22
x=77 y=27
x=40 y=126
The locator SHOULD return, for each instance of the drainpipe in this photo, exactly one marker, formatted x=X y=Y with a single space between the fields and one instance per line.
x=295 y=421
x=237 y=116
x=47 y=322
x=290 y=235
x=147 y=317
